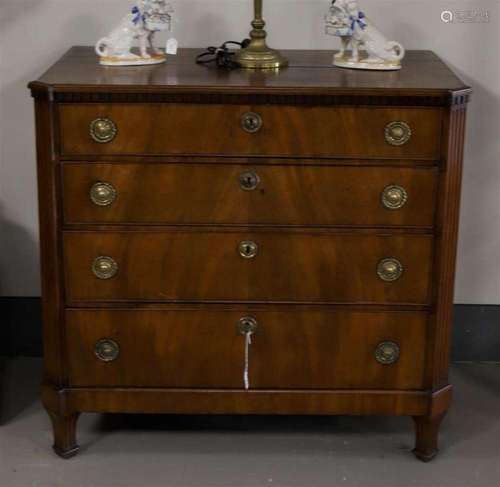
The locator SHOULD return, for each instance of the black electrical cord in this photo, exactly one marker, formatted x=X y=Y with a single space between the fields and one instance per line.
x=222 y=56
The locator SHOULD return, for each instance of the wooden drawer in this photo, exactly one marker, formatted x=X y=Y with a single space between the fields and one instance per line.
x=296 y=349
x=289 y=266
x=235 y=194
x=217 y=129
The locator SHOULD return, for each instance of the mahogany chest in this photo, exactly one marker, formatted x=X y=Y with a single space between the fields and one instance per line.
x=248 y=242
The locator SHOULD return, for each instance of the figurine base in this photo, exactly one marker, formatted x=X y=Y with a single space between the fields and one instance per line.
x=132 y=60
x=366 y=63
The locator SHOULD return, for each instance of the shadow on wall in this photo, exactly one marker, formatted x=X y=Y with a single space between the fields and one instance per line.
x=20 y=381
x=18 y=246
x=20 y=330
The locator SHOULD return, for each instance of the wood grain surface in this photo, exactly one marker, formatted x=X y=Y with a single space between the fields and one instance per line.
x=423 y=75
x=322 y=161
x=216 y=129
x=212 y=194
x=289 y=350
x=206 y=266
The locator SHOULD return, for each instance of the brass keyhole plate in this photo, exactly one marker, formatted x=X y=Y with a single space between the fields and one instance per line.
x=248 y=249
x=251 y=122
x=247 y=324
x=249 y=181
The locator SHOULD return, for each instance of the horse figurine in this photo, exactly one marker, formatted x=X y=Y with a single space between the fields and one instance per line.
x=370 y=49
x=141 y=23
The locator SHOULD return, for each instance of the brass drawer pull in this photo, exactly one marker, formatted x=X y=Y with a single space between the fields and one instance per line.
x=394 y=197
x=251 y=122
x=104 y=267
x=249 y=181
x=103 y=194
x=390 y=270
x=103 y=130
x=387 y=353
x=248 y=249
x=107 y=350
x=397 y=133
x=247 y=324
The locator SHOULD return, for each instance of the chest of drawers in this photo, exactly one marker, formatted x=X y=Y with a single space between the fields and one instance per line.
x=248 y=242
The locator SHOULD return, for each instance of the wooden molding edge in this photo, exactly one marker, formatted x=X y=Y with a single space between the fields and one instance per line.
x=323 y=96
x=225 y=401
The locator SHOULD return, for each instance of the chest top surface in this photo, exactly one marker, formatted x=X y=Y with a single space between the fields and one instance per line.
x=310 y=72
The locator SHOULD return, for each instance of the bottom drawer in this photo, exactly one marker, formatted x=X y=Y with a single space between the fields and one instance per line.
x=290 y=349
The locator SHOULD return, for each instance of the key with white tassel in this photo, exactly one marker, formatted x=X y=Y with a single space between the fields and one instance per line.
x=247 y=326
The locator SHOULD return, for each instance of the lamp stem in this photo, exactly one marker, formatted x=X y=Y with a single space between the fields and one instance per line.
x=258 y=9
x=258 y=55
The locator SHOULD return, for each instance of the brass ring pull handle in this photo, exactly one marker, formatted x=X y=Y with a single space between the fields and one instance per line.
x=249 y=181
x=390 y=270
x=387 y=353
x=104 y=268
x=248 y=249
x=103 y=194
x=397 y=133
x=251 y=122
x=247 y=324
x=103 y=130
x=107 y=350
x=394 y=197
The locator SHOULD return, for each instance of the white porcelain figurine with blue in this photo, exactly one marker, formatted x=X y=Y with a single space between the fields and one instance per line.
x=143 y=21
x=370 y=49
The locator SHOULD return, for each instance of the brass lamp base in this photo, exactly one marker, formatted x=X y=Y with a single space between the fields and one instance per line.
x=260 y=58
x=258 y=55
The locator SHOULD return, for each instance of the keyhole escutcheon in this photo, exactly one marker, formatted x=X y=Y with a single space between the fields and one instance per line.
x=249 y=181
x=248 y=249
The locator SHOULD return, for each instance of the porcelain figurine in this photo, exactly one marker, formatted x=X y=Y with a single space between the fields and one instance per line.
x=142 y=22
x=370 y=49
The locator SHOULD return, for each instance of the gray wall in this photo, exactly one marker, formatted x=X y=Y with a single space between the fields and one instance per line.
x=34 y=33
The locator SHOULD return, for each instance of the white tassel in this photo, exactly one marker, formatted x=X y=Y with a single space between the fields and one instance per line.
x=248 y=342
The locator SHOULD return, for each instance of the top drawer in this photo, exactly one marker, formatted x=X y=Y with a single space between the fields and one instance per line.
x=170 y=129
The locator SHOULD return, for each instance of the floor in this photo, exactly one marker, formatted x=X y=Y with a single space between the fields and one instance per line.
x=201 y=451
